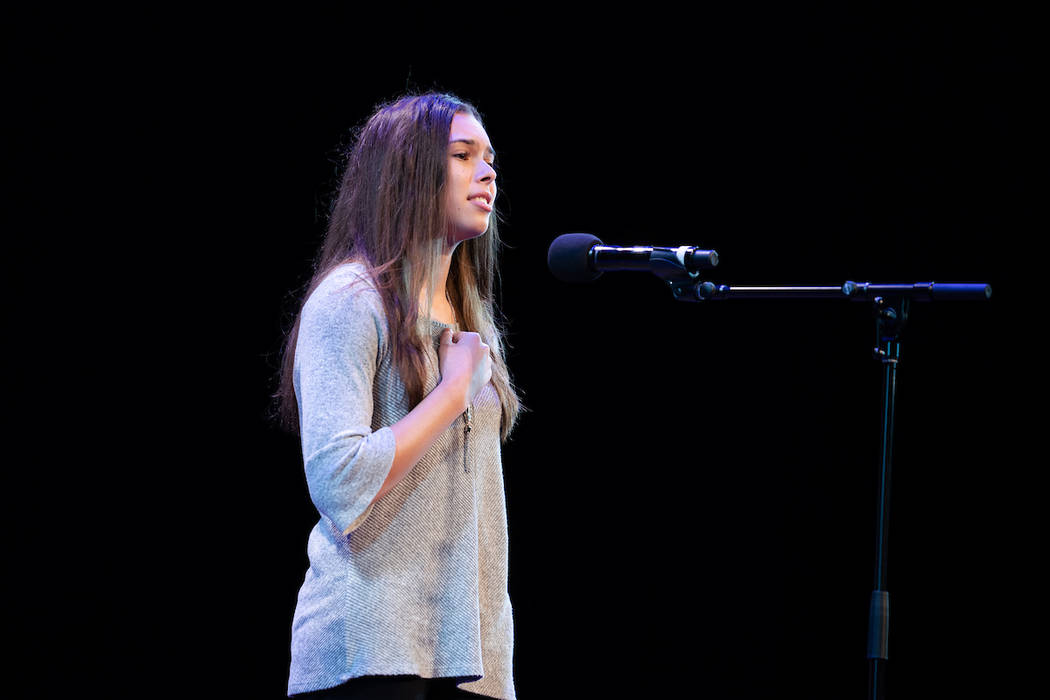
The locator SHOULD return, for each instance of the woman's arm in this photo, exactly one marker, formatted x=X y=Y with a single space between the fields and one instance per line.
x=349 y=466
x=337 y=356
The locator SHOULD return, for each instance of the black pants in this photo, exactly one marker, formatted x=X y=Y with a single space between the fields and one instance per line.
x=393 y=688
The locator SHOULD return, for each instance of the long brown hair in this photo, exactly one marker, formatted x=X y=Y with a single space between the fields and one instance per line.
x=390 y=215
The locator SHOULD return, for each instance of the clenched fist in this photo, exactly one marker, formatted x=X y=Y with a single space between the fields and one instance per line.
x=465 y=362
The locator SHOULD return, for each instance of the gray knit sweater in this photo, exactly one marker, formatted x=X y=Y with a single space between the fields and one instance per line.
x=417 y=583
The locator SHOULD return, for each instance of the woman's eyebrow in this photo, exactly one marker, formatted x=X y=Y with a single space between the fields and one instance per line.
x=472 y=142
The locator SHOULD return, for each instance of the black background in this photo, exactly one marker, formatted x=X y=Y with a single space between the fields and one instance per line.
x=691 y=494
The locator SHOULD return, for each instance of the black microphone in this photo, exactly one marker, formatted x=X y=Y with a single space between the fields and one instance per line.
x=581 y=257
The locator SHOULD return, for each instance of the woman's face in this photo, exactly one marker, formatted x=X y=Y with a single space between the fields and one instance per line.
x=471 y=185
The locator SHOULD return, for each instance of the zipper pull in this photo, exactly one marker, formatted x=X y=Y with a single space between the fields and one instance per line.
x=466 y=430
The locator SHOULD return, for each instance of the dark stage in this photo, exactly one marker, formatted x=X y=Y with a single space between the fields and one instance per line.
x=692 y=493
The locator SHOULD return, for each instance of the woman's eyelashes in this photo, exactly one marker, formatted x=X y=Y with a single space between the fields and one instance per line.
x=465 y=156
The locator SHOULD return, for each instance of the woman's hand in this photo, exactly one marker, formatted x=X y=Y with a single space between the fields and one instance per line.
x=466 y=363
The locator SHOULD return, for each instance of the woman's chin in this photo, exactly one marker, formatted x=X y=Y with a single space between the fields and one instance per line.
x=462 y=235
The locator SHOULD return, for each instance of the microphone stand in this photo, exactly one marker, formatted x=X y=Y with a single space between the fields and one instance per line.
x=890 y=304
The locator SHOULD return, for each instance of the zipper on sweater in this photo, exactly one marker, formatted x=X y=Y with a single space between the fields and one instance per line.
x=466 y=431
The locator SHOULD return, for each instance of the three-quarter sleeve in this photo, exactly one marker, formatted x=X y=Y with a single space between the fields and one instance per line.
x=336 y=357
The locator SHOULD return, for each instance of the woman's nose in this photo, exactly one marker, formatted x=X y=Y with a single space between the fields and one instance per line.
x=486 y=173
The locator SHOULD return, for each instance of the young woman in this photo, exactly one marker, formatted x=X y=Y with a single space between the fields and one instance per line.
x=394 y=376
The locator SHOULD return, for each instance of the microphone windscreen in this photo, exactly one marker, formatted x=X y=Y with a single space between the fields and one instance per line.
x=568 y=257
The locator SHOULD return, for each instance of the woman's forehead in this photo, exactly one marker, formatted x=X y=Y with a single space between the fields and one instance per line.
x=467 y=129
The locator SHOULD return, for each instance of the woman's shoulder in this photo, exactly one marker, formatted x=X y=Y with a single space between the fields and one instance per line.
x=347 y=274
x=346 y=292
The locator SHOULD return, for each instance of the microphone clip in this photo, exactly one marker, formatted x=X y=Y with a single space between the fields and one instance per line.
x=685 y=284
x=669 y=265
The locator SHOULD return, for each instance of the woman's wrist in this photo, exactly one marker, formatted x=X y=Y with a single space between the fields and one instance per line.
x=455 y=392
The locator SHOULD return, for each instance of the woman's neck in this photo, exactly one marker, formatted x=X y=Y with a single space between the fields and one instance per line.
x=440 y=310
